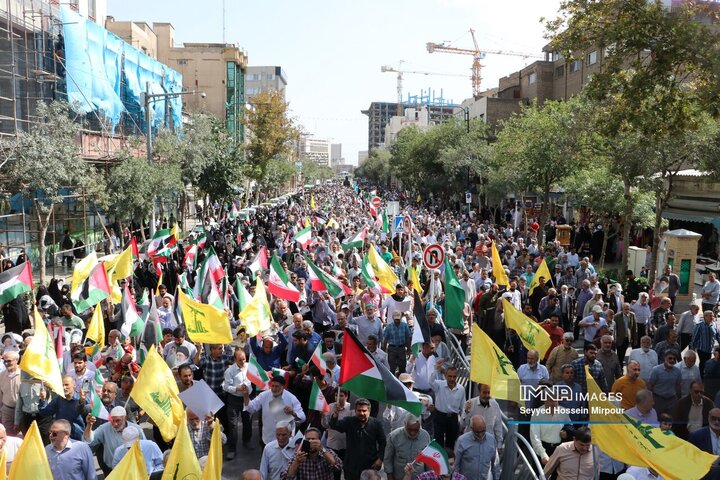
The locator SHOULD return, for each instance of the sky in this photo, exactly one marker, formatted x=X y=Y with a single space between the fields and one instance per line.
x=332 y=50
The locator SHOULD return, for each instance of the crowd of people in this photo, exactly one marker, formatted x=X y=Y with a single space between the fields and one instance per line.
x=663 y=359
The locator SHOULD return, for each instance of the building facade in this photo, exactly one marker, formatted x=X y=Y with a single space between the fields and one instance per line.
x=264 y=79
x=379 y=114
x=316 y=149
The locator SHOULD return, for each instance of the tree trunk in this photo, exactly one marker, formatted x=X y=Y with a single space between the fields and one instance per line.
x=43 y=228
x=606 y=228
x=661 y=200
x=544 y=214
x=627 y=224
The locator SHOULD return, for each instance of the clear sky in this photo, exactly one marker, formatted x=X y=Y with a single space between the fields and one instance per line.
x=332 y=50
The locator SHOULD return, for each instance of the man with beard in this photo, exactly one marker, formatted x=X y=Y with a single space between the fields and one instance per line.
x=109 y=434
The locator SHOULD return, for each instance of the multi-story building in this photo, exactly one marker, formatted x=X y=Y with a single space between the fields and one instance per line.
x=362 y=156
x=263 y=79
x=379 y=115
x=317 y=149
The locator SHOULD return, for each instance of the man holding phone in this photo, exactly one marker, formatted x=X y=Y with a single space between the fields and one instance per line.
x=313 y=461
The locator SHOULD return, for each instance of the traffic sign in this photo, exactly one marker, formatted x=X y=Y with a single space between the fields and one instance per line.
x=376 y=202
x=407 y=224
x=399 y=223
x=468 y=197
x=433 y=256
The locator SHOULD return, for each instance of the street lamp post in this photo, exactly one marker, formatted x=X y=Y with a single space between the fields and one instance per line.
x=148 y=97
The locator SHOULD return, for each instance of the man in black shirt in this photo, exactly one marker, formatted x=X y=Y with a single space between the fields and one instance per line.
x=365 y=439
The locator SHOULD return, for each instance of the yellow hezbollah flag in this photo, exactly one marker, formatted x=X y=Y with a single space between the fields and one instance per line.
x=533 y=336
x=121 y=266
x=204 y=323
x=156 y=392
x=96 y=329
x=82 y=271
x=256 y=316
x=385 y=275
x=132 y=465
x=489 y=365
x=307 y=222
x=213 y=467
x=30 y=460
x=497 y=268
x=3 y=465
x=332 y=223
x=415 y=277
x=312 y=201
x=630 y=441
x=157 y=287
x=182 y=462
x=175 y=231
x=40 y=360
x=542 y=271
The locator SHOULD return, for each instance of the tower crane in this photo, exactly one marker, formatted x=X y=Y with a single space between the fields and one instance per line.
x=477 y=55
x=400 y=72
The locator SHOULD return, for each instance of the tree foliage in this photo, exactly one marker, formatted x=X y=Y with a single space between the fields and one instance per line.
x=278 y=173
x=311 y=171
x=376 y=168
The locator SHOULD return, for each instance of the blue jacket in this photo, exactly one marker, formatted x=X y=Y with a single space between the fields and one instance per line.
x=60 y=408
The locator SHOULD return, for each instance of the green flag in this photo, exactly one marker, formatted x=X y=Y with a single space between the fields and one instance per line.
x=454 y=299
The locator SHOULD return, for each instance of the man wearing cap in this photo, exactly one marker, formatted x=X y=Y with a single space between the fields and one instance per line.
x=109 y=434
x=397 y=337
x=277 y=404
x=397 y=302
x=592 y=323
x=394 y=416
x=150 y=451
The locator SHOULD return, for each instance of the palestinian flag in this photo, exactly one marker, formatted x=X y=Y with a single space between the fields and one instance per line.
x=151 y=334
x=435 y=457
x=15 y=281
x=162 y=244
x=248 y=241
x=190 y=256
x=256 y=374
x=98 y=410
x=304 y=237
x=132 y=323
x=317 y=399
x=373 y=211
x=260 y=261
x=320 y=281
x=135 y=250
x=93 y=290
x=234 y=213
x=318 y=359
x=365 y=377
x=358 y=241
x=279 y=284
x=421 y=330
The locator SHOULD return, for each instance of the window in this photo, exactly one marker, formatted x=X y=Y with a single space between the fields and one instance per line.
x=574 y=66
x=556 y=56
x=592 y=57
x=270 y=76
x=560 y=71
x=182 y=61
x=532 y=78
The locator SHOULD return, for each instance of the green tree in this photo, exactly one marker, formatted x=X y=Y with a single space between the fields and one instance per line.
x=376 y=168
x=222 y=175
x=278 y=173
x=45 y=162
x=271 y=133
x=538 y=148
x=311 y=171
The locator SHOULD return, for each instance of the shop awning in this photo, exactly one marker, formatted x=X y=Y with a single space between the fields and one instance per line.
x=691 y=216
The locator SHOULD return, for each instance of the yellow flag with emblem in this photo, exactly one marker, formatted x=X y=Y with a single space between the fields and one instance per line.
x=415 y=277
x=533 y=336
x=629 y=441
x=121 y=266
x=497 y=267
x=131 y=466
x=256 y=316
x=182 y=462
x=213 y=467
x=385 y=275
x=96 y=329
x=82 y=271
x=489 y=365
x=40 y=359
x=156 y=392
x=204 y=323
x=542 y=271
x=312 y=201
x=30 y=460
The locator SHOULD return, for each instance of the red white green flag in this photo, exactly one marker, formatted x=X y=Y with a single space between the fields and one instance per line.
x=98 y=410
x=435 y=457
x=98 y=381
x=317 y=399
x=15 y=281
x=93 y=290
x=318 y=359
x=162 y=244
x=304 y=236
x=356 y=242
x=279 y=284
x=190 y=256
x=256 y=374
x=260 y=261
x=320 y=281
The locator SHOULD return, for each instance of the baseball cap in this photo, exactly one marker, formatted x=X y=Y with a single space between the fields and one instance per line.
x=406 y=378
x=597 y=308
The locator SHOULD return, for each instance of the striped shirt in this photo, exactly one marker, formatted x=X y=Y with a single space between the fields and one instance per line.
x=704 y=337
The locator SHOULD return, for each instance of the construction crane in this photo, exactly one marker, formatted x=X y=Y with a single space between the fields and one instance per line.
x=477 y=55
x=400 y=72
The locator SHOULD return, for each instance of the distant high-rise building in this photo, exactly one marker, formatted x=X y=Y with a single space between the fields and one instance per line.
x=317 y=149
x=336 y=157
x=379 y=115
x=362 y=156
x=262 y=79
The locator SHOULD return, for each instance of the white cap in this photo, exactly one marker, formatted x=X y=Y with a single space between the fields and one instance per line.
x=597 y=308
x=129 y=435
x=118 y=412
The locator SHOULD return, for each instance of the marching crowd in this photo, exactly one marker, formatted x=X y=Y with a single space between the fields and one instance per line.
x=663 y=359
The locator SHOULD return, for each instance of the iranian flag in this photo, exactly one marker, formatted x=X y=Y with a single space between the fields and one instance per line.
x=318 y=359
x=162 y=244
x=132 y=323
x=15 y=281
x=435 y=457
x=367 y=378
x=93 y=290
x=98 y=410
x=190 y=256
x=304 y=236
x=260 y=261
x=317 y=399
x=59 y=350
x=358 y=241
x=234 y=213
x=256 y=374
x=213 y=266
x=281 y=373
x=320 y=281
x=373 y=211
x=242 y=294
x=201 y=240
x=98 y=381
x=279 y=284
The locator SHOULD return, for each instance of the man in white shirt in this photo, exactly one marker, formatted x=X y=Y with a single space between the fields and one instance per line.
x=449 y=404
x=422 y=368
x=646 y=357
x=277 y=454
x=277 y=404
x=10 y=445
x=532 y=372
x=235 y=382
